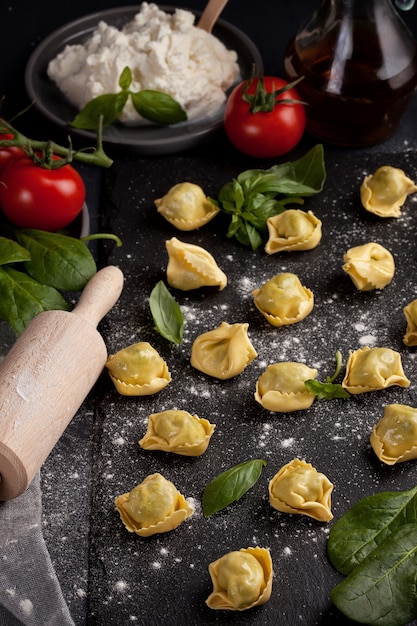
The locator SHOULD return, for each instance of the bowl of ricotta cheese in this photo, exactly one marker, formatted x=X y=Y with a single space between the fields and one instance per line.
x=164 y=50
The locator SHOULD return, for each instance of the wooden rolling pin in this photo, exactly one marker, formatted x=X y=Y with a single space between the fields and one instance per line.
x=45 y=378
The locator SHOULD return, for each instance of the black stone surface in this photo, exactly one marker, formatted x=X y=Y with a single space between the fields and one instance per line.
x=133 y=579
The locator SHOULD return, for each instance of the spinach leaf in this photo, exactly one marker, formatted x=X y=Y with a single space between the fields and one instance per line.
x=57 y=260
x=367 y=524
x=12 y=252
x=255 y=195
x=231 y=485
x=23 y=298
x=166 y=313
x=382 y=589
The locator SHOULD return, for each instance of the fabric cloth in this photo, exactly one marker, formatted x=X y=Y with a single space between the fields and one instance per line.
x=30 y=593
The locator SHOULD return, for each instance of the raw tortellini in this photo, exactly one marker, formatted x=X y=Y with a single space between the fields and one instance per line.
x=154 y=506
x=283 y=300
x=299 y=488
x=292 y=230
x=370 y=369
x=241 y=579
x=281 y=387
x=138 y=370
x=410 y=312
x=186 y=207
x=370 y=266
x=394 y=438
x=177 y=431
x=223 y=352
x=191 y=267
x=385 y=191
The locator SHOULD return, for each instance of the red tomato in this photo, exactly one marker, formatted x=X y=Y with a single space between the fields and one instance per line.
x=32 y=196
x=8 y=154
x=264 y=134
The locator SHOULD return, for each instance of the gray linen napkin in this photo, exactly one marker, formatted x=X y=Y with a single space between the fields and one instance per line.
x=29 y=589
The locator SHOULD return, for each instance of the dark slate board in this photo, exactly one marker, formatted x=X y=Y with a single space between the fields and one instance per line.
x=164 y=579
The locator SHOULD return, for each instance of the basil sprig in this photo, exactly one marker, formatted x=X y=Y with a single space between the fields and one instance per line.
x=255 y=195
x=166 y=313
x=328 y=390
x=231 y=485
x=375 y=545
x=152 y=105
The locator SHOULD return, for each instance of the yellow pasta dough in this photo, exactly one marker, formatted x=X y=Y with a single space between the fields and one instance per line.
x=370 y=369
x=138 y=370
x=154 y=506
x=241 y=579
x=177 y=431
x=186 y=207
x=370 y=266
x=384 y=192
x=299 y=488
x=284 y=300
x=281 y=387
x=410 y=312
x=191 y=267
x=394 y=438
x=293 y=230
x=223 y=352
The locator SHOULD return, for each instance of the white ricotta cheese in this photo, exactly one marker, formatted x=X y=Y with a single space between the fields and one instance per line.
x=164 y=51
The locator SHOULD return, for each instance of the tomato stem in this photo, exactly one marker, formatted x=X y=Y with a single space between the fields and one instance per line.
x=42 y=152
x=265 y=101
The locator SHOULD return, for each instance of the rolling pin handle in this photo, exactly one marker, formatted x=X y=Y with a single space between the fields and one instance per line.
x=100 y=294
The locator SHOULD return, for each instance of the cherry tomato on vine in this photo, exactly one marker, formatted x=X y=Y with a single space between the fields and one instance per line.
x=32 y=196
x=264 y=117
x=9 y=153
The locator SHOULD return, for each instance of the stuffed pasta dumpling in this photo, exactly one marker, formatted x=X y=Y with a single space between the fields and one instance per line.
x=410 y=312
x=191 y=267
x=299 y=488
x=281 y=387
x=241 y=579
x=284 y=300
x=154 y=506
x=370 y=369
x=370 y=266
x=223 y=352
x=385 y=191
x=138 y=370
x=394 y=438
x=186 y=206
x=177 y=431
x=293 y=230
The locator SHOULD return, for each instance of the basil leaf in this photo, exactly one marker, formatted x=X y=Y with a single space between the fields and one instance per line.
x=158 y=107
x=12 y=252
x=326 y=391
x=166 y=313
x=231 y=485
x=382 y=589
x=108 y=105
x=57 y=260
x=125 y=78
x=23 y=298
x=253 y=194
x=367 y=524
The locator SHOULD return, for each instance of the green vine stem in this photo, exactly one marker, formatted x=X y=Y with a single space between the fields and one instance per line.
x=32 y=147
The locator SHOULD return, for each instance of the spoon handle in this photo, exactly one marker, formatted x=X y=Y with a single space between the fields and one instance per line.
x=210 y=14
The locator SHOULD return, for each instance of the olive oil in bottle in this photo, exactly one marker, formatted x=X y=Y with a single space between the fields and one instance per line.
x=359 y=63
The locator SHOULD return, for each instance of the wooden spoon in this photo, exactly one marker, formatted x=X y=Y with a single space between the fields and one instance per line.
x=210 y=14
